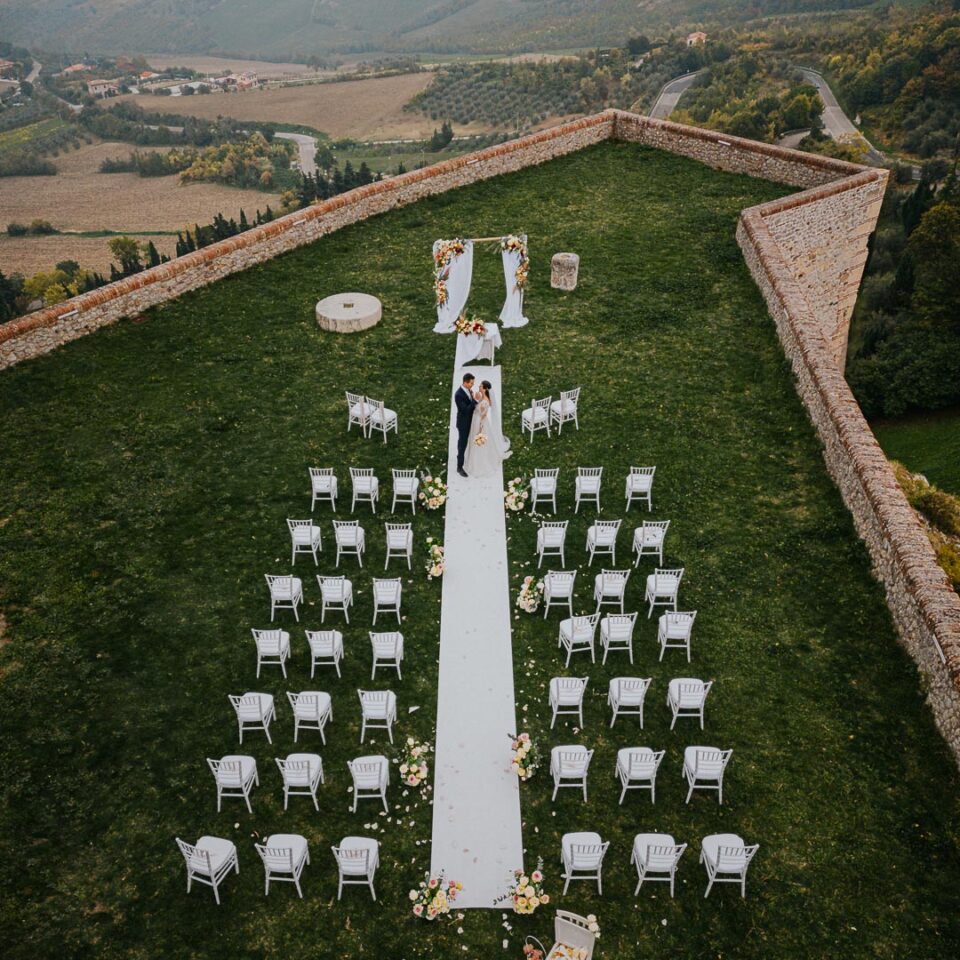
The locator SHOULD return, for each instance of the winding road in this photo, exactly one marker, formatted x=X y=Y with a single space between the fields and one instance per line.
x=308 y=150
x=835 y=122
x=671 y=93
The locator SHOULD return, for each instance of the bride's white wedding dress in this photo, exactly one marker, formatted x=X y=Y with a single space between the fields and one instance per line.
x=485 y=459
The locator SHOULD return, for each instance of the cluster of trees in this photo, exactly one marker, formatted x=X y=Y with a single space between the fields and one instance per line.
x=130 y=123
x=252 y=162
x=36 y=228
x=150 y=163
x=441 y=138
x=753 y=96
x=67 y=279
x=219 y=229
x=907 y=322
x=322 y=186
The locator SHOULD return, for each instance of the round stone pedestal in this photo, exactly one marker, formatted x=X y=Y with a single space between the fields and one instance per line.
x=348 y=312
x=563 y=271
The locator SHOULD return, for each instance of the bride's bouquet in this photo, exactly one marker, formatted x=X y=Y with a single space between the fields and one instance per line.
x=474 y=326
x=531 y=593
x=433 y=492
x=516 y=494
x=480 y=439
x=436 y=563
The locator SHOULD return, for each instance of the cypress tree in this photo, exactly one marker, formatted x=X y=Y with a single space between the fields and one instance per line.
x=243 y=221
x=153 y=257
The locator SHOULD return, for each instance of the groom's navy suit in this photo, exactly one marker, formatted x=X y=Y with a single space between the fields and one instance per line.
x=465 y=405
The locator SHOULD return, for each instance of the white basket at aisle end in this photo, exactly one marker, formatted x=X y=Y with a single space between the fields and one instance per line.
x=571 y=934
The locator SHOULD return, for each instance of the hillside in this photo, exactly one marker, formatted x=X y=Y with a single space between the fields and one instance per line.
x=294 y=29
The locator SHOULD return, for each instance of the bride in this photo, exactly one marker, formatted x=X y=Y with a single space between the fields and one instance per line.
x=484 y=457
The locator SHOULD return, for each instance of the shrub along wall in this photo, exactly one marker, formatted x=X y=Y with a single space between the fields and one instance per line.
x=806 y=253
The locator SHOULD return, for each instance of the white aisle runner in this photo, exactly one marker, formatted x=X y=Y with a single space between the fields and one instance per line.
x=476 y=801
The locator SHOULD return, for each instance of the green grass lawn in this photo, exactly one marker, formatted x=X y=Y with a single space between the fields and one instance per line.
x=927 y=443
x=147 y=473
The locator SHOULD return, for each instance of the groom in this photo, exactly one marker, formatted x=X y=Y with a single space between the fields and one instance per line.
x=465 y=402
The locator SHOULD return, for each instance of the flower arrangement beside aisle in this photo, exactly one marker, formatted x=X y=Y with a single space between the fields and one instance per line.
x=518 y=245
x=473 y=326
x=530 y=952
x=526 y=891
x=516 y=494
x=526 y=756
x=413 y=763
x=531 y=593
x=433 y=492
x=434 y=896
x=435 y=561
x=446 y=252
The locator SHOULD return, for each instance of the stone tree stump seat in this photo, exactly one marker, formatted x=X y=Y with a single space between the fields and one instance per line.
x=564 y=268
x=348 y=312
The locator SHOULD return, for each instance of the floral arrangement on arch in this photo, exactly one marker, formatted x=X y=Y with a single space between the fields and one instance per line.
x=518 y=245
x=413 y=763
x=436 y=563
x=526 y=891
x=516 y=495
x=433 y=491
x=531 y=593
x=434 y=896
x=446 y=252
x=526 y=756
x=473 y=326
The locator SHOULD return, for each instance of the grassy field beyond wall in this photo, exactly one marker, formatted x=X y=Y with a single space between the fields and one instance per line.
x=148 y=472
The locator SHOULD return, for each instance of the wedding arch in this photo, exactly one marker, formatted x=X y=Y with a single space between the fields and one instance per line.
x=453 y=273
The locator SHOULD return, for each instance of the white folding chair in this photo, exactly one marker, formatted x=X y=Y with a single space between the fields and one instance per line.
x=382 y=419
x=610 y=587
x=254 y=711
x=286 y=593
x=626 y=696
x=312 y=710
x=387 y=651
x=284 y=856
x=235 y=776
x=582 y=857
x=686 y=697
x=371 y=776
x=616 y=633
x=703 y=769
x=551 y=539
x=364 y=487
x=536 y=417
x=656 y=856
x=386 y=597
x=378 y=711
x=336 y=593
x=640 y=485
x=273 y=649
x=602 y=539
x=726 y=858
x=578 y=633
x=587 y=487
x=357 y=861
x=674 y=631
x=326 y=649
x=406 y=483
x=543 y=486
x=566 y=697
x=565 y=409
x=399 y=542
x=663 y=588
x=558 y=590
x=358 y=412
x=208 y=861
x=572 y=936
x=323 y=486
x=304 y=538
x=350 y=539
x=648 y=540
x=637 y=770
x=302 y=774
x=568 y=767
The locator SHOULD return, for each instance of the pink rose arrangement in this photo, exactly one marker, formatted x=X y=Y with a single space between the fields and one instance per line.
x=434 y=896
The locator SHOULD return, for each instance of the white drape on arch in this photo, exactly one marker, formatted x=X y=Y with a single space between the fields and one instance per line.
x=458 y=279
x=473 y=347
x=512 y=313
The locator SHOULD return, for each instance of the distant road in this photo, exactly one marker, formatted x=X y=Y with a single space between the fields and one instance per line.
x=835 y=121
x=308 y=150
x=671 y=93
x=35 y=71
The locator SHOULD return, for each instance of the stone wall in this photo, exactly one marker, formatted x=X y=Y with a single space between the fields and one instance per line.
x=924 y=606
x=806 y=253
